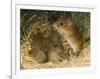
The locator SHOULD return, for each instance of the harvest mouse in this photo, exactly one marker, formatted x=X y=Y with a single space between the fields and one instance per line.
x=56 y=55
x=38 y=55
x=65 y=28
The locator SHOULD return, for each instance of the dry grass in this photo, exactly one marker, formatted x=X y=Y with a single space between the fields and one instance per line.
x=38 y=21
x=28 y=62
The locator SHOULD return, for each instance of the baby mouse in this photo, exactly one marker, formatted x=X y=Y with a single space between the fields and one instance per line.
x=56 y=55
x=65 y=27
x=38 y=55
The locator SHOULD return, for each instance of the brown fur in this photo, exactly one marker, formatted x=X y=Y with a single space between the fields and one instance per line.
x=38 y=55
x=70 y=33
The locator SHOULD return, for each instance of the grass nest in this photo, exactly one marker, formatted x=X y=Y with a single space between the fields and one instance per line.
x=36 y=31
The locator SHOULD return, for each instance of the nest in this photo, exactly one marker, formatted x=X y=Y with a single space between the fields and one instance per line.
x=37 y=32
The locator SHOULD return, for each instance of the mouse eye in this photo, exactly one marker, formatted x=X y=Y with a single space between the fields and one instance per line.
x=61 y=23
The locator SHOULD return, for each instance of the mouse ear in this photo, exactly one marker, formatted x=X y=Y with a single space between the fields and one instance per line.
x=69 y=23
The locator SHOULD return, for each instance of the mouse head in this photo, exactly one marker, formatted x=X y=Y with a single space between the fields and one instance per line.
x=62 y=25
